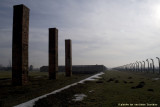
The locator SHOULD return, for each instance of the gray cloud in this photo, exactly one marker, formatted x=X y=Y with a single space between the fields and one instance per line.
x=109 y=32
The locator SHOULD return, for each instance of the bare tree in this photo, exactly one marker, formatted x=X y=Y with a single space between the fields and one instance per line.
x=9 y=66
x=1 y=67
x=30 y=67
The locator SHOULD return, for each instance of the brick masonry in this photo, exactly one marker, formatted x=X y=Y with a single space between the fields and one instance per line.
x=53 y=53
x=68 y=57
x=20 y=45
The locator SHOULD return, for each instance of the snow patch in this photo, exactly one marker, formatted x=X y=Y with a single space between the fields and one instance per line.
x=92 y=78
x=155 y=78
x=30 y=103
x=91 y=91
x=79 y=97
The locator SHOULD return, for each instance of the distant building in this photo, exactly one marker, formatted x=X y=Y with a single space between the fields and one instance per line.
x=80 y=69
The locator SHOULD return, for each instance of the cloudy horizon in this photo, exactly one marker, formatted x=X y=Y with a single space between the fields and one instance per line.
x=108 y=32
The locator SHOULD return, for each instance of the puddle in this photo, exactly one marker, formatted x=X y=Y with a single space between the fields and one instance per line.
x=79 y=97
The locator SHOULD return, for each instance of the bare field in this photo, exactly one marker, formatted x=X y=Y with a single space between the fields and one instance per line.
x=114 y=89
x=39 y=85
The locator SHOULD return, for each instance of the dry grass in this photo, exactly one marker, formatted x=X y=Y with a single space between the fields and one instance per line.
x=113 y=89
x=39 y=85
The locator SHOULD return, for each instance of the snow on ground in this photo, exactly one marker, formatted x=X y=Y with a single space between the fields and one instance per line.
x=92 y=78
x=155 y=78
x=31 y=102
x=79 y=97
x=91 y=91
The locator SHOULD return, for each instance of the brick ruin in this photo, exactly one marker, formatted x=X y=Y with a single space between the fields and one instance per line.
x=68 y=57
x=53 y=52
x=20 y=48
x=20 y=45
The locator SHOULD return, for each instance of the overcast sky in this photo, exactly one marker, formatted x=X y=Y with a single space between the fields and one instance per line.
x=109 y=32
